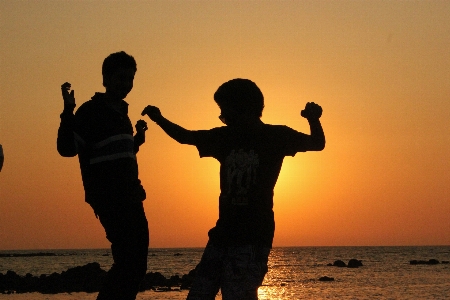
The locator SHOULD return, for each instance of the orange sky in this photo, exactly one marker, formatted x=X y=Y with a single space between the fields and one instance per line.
x=380 y=70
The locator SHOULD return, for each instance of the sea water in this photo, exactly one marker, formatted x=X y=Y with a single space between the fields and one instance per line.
x=294 y=272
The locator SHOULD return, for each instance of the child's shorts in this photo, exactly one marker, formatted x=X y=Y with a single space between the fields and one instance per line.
x=237 y=271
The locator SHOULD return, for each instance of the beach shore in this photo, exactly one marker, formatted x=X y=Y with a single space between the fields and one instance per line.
x=147 y=295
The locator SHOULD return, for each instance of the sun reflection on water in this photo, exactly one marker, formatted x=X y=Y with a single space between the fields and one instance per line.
x=277 y=281
x=271 y=292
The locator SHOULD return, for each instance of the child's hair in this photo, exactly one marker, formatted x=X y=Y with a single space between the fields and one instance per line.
x=240 y=95
x=115 y=61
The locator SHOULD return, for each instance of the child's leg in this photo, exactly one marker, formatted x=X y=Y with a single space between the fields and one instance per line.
x=244 y=271
x=207 y=279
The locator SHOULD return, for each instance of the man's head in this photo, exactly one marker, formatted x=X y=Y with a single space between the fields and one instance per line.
x=118 y=71
x=239 y=101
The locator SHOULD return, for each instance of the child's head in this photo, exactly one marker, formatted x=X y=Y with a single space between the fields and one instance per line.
x=118 y=71
x=239 y=100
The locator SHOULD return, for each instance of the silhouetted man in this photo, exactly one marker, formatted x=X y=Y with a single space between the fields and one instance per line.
x=101 y=134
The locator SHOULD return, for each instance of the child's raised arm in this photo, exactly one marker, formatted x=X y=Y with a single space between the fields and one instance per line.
x=178 y=133
x=316 y=140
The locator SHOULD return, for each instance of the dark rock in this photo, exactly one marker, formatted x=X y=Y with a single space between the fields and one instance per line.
x=424 y=262
x=87 y=278
x=445 y=261
x=354 y=263
x=50 y=284
x=339 y=263
x=152 y=280
x=187 y=279
x=10 y=281
x=174 y=281
x=326 y=278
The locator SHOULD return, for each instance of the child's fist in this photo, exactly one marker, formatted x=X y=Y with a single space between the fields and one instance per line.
x=311 y=111
x=152 y=112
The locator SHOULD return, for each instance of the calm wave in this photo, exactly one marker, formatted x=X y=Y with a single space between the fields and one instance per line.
x=293 y=272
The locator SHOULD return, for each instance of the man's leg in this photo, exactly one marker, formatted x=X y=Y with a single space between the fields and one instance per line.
x=126 y=228
x=208 y=272
x=244 y=271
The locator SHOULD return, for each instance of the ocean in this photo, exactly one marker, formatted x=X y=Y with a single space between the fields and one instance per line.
x=294 y=272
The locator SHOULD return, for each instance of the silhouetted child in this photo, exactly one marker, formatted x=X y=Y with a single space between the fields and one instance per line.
x=250 y=154
x=101 y=134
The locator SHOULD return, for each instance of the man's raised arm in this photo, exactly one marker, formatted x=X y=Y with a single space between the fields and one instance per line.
x=65 y=143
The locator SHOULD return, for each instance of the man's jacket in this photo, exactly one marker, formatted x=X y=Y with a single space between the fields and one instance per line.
x=103 y=139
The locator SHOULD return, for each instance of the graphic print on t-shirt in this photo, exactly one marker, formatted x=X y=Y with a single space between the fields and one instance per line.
x=241 y=174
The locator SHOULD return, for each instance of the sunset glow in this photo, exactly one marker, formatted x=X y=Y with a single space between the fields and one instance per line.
x=379 y=69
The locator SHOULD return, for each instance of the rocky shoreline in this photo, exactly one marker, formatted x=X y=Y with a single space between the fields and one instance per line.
x=87 y=278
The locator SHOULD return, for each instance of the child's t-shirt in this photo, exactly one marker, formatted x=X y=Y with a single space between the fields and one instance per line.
x=250 y=162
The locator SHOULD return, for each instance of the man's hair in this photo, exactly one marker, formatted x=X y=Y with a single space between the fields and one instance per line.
x=115 y=61
x=240 y=95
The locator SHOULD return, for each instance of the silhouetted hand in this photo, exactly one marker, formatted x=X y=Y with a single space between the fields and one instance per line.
x=152 y=112
x=69 y=98
x=312 y=111
x=141 y=127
